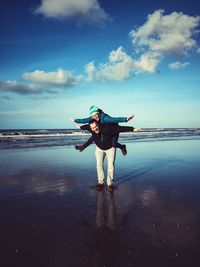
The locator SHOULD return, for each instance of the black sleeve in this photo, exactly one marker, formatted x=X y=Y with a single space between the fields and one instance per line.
x=119 y=129
x=86 y=127
x=89 y=142
x=125 y=129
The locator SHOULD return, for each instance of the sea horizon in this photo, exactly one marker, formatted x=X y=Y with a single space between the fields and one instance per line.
x=21 y=138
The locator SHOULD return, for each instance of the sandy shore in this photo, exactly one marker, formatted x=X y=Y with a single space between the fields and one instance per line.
x=51 y=214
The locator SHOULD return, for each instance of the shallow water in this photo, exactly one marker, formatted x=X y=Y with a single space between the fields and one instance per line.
x=51 y=214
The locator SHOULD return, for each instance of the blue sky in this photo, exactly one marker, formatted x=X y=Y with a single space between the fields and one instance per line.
x=58 y=58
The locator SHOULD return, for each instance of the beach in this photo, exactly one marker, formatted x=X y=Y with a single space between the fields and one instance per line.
x=52 y=214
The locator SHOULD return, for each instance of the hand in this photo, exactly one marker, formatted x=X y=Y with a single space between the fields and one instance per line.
x=136 y=129
x=130 y=117
x=79 y=147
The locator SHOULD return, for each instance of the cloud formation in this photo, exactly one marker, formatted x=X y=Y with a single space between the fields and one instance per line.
x=54 y=78
x=166 y=34
x=121 y=66
x=178 y=65
x=39 y=82
x=118 y=67
x=19 y=88
x=152 y=42
x=84 y=10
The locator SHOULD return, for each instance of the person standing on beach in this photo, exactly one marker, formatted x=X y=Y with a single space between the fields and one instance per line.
x=102 y=135
x=98 y=115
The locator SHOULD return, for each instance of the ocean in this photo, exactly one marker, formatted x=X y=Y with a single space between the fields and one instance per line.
x=27 y=138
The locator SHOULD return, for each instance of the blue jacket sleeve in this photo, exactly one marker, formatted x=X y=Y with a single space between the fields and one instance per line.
x=85 y=120
x=107 y=119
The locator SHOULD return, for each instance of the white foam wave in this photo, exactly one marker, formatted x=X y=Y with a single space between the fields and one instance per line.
x=18 y=136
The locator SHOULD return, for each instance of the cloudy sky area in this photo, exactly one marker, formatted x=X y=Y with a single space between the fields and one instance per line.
x=60 y=57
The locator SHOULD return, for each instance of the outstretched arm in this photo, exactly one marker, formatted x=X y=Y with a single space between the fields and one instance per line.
x=82 y=147
x=85 y=120
x=119 y=129
x=107 y=119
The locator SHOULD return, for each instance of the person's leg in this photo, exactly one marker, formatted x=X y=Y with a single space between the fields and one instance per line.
x=100 y=155
x=118 y=145
x=111 y=153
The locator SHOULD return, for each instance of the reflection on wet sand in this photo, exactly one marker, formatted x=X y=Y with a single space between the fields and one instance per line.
x=104 y=248
x=152 y=219
x=162 y=224
x=30 y=181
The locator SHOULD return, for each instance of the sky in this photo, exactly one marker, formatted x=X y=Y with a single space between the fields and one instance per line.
x=59 y=58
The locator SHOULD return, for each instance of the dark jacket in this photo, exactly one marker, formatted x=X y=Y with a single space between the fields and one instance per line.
x=103 y=139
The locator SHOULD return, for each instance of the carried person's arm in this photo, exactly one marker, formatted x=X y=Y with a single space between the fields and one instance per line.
x=85 y=145
x=108 y=119
x=84 y=120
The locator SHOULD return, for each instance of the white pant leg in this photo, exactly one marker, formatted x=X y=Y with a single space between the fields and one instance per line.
x=111 y=154
x=100 y=155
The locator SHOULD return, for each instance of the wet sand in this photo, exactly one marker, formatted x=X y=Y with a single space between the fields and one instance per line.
x=52 y=215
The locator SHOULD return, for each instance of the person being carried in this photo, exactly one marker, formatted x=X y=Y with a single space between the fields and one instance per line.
x=102 y=135
x=98 y=115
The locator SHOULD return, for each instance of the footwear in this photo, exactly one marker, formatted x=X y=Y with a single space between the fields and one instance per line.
x=99 y=187
x=110 y=188
x=124 y=151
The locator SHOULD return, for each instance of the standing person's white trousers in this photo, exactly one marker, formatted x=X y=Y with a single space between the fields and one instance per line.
x=100 y=156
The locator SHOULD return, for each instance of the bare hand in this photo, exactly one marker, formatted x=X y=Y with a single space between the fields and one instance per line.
x=136 y=129
x=130 y=117
x=79 y=147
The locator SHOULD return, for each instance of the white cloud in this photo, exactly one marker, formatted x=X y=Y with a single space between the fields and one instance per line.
x=198 y=50
x=118 y=67
x=54 y=78
x=90 y=71
x=178 y=65
x=121 y=66
x=166 y=34
x=19 y=88
x=39 y=82
x=159 y=36
x=148 y=62
x=86 y=10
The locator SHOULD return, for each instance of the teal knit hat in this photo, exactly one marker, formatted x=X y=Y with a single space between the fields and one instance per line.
x=93 y=110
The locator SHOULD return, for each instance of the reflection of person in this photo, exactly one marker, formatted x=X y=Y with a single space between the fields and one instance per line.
x=107 y=237
x=104 y=248
x=98 y=115
x=102 y=135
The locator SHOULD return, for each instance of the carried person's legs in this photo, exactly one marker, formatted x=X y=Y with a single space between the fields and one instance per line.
x=118 y=145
